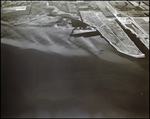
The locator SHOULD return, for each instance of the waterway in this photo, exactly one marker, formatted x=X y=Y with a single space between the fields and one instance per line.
x=44 y=74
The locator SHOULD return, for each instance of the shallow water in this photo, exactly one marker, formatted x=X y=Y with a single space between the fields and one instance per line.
x=58 y=78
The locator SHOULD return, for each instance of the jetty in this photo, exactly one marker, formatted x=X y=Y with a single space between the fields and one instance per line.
x=121 y=43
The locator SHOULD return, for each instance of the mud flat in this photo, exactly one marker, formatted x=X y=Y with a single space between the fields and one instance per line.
x=117 y=42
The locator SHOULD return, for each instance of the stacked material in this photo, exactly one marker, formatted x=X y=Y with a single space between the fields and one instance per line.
x=121 y=43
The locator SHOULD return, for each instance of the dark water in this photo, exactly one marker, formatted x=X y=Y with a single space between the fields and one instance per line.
x=35 y=83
